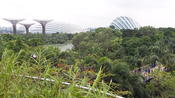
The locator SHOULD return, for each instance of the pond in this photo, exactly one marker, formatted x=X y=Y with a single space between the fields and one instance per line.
x=63 y=47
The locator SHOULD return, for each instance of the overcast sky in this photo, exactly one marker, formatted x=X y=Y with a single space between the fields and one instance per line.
x=91 y=13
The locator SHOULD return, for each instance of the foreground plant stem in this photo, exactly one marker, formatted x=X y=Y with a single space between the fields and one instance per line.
x=67 y=83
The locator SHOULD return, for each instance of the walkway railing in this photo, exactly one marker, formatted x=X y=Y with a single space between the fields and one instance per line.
x=67 y=83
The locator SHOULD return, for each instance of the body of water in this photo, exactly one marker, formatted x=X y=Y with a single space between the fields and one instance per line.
x=64 y=47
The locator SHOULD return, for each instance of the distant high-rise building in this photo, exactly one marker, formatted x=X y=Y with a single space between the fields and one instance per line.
x=124 y=22
x=5 y=30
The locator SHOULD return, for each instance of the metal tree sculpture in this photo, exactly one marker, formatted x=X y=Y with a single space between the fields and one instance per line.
x=43 y=24
x=14 y=22
x=27 y=26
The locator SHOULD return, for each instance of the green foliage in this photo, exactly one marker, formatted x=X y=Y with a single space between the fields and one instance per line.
x=163 y=85
x=16 y=45
x=6 y=37
x=119 y=52
x=90 y=61
x=35 y=42
x=13 y=83
x=114 y=55
x=105 y=63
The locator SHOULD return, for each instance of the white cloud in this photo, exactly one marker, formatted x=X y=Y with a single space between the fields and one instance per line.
x=91 y=13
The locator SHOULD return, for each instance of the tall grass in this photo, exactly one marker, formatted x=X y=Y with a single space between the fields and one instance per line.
x=15 y=84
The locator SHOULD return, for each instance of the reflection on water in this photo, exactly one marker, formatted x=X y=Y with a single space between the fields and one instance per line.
x=64 y=47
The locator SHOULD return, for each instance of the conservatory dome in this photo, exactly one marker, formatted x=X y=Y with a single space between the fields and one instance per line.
x=124 y=22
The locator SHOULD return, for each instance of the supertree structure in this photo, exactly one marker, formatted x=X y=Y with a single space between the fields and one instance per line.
x=27 y=26
x=14 y=22
x=43 y=24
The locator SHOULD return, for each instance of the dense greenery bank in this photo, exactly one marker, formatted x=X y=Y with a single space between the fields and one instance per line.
x=120 y=52
x=104 y=59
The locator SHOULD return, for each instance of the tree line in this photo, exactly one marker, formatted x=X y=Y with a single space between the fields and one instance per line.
x=115 y=52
